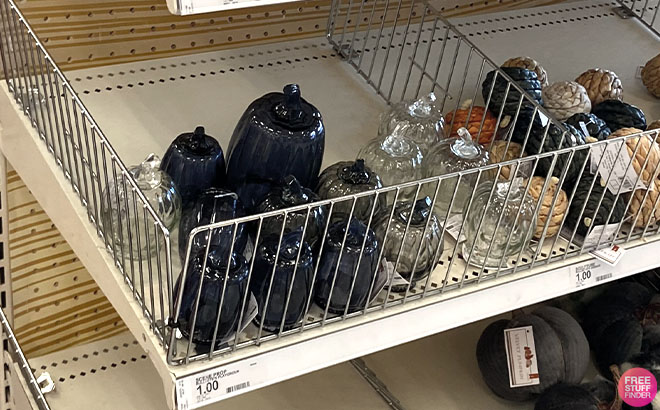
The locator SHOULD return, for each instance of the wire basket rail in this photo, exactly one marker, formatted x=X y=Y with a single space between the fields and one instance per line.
x=314 y=290
x=17 y=355
x=645 y=10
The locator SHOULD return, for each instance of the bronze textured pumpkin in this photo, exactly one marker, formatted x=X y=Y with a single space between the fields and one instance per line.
x=502 y=151
x=601 y=85
x=551 y=208
x=653 y=126
x=484 y=133
x=645 y=202
x=529 y=64
x=651 y=76
x=565 y=98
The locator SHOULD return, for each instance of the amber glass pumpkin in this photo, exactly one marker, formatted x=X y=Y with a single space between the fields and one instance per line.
x=459 y=118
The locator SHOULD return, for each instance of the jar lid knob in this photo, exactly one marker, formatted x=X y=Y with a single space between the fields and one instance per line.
x=148 y=171
x=356 y=173
x=464 y=146
x=198 y=140
x=290 y=110
x=293 y=193
x=423 y=107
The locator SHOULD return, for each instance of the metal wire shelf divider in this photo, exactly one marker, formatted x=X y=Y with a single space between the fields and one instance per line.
x=645 y=10
x=19 y=358
x=140 y=243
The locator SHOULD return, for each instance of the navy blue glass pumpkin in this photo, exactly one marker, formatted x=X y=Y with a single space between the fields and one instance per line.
x=275 y=278
x=216 y=278
x=213 y=205
x=289 y=194
x=279 y=134
x=346 y=267
x=195 y=162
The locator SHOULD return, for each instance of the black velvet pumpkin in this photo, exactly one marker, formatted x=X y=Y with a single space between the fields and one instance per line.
x=589 y=197
x=613 y=323
x=563 y=352
x=618 y=114
x=596 y=127
x=556 y=139
x=528 y=81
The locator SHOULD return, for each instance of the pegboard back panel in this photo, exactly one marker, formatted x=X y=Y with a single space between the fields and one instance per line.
x=56 y=302
x=83 y=33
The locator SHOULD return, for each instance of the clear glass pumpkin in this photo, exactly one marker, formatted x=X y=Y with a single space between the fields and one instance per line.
x=396 y=159
x=507 y=226
x=420 y=121
x=454 y=155
x=418 y=239
x=122 y=208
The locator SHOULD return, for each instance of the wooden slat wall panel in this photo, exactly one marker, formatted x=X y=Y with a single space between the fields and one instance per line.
x=83 y=33
x=56 y=302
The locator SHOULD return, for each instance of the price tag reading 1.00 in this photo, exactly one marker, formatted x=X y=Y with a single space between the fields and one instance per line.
x=589 y=273
x=204 y=388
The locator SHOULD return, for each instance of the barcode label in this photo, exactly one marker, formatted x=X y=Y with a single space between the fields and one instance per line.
x=603 y=277
x=590 y=273
x=201 y=389
x=241 y=386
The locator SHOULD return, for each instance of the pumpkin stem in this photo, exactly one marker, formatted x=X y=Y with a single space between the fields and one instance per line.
x=618 y=402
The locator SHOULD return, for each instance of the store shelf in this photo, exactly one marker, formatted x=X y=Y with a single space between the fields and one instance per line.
x=440 y=371
x=141 y=107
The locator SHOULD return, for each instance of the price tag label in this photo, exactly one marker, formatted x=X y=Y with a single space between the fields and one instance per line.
x=638 y=73
x=611 y=256
x=392 y=275
x=614 y=167
x=589 y=273
x=453 y=226
x=204 y=388
x=521 y=356
x=583 y=128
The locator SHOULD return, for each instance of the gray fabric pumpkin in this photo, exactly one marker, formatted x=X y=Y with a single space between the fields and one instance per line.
x=565 y=352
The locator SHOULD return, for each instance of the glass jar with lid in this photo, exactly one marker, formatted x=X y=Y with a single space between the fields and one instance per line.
x=413 y=241
x=454 y=155
x=347 y=178
x=128 y=228
x=420 y=121
x=507 y=226
x=396 y=159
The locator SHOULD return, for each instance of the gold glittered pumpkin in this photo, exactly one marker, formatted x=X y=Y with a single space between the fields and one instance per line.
x=651 y=76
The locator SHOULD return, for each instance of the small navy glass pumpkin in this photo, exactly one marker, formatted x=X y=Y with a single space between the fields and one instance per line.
x=195 y=162
x=211 y=295
x=288 y=194
x=352 y=264
x=280 y=269
x=213 y=205
x=279 y=134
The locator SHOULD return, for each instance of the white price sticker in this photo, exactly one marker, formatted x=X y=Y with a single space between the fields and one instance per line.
x=611 y=256
x=204 y=388
x=521 y=357
x=600 y=235
x=584 y=129
x=453 y=226
x=614 y=167
x=589 y=273
x=393 y=277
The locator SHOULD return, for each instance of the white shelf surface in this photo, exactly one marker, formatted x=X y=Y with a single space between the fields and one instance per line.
x=140 y=114
x=439 y=372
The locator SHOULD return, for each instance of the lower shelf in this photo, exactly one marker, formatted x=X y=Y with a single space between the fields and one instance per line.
x=436 y=372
